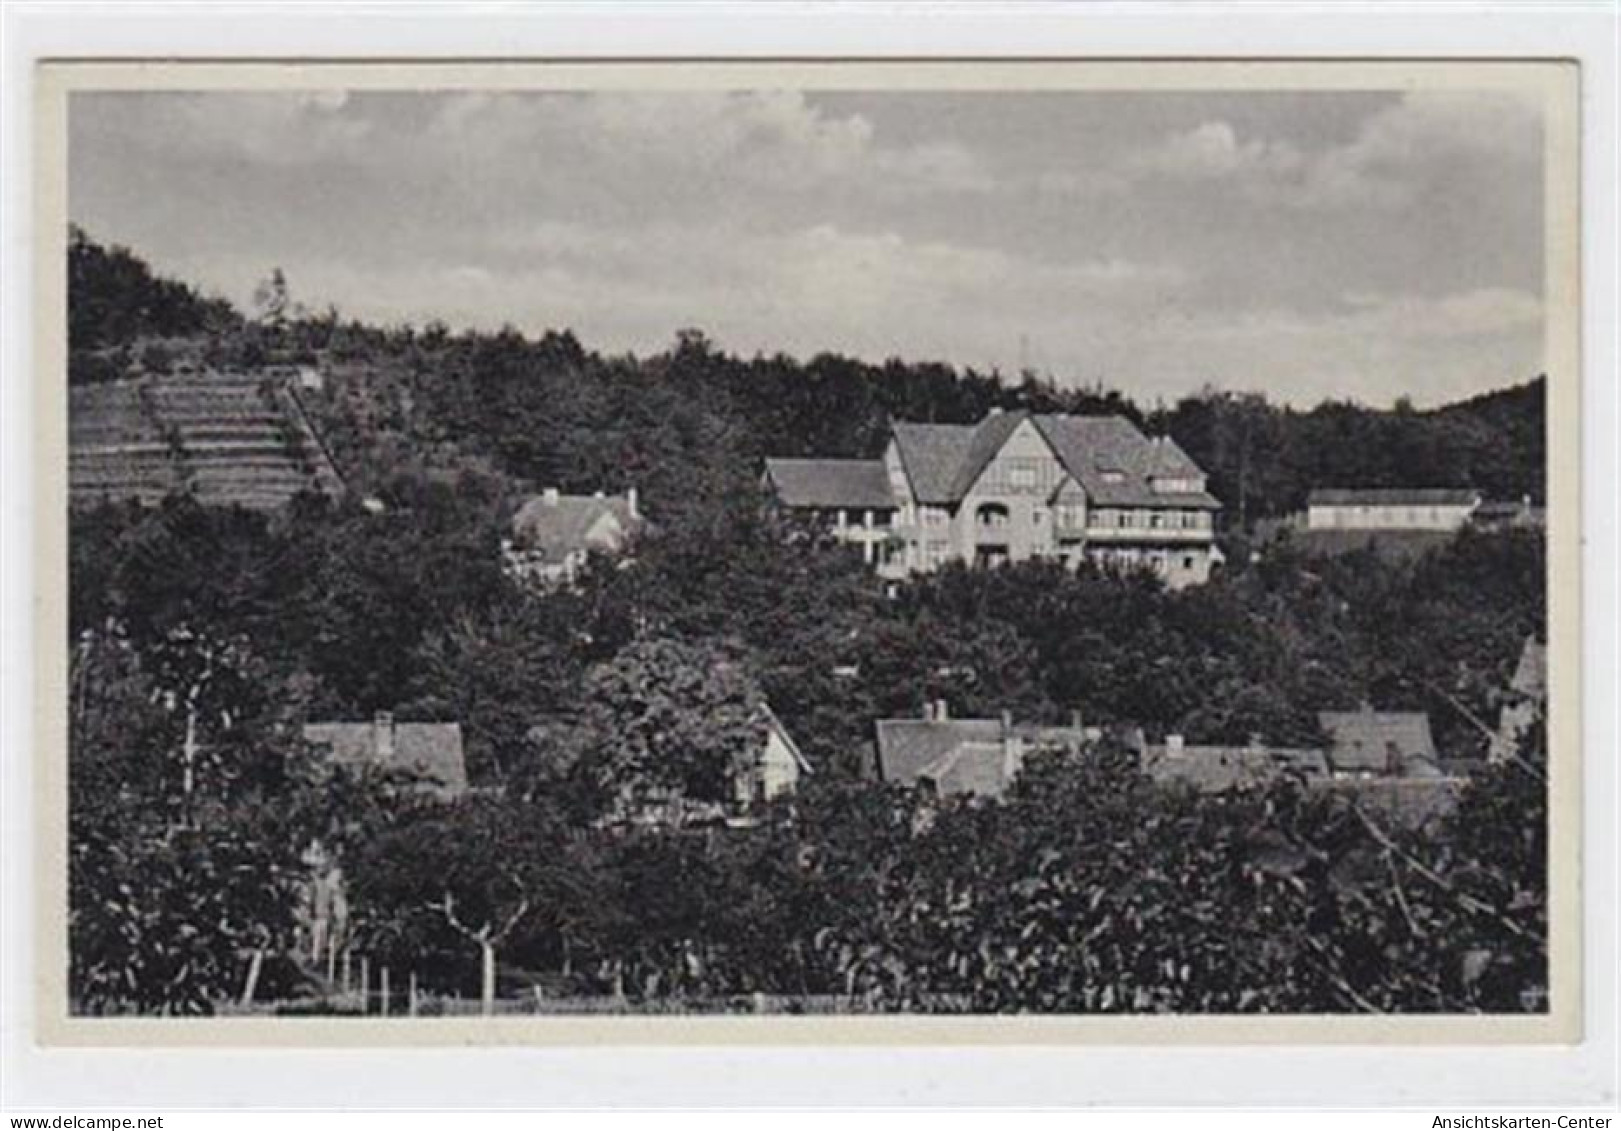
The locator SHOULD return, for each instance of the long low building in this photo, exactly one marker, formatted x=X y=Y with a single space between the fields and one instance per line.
x=1014 y=487
x=1390 y=508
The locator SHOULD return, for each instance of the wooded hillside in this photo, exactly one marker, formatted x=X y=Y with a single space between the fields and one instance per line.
x=255 y=621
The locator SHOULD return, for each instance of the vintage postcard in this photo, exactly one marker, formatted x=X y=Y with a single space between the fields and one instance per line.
x=950 y=552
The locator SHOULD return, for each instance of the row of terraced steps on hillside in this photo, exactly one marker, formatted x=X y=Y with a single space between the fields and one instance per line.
x=226 y=439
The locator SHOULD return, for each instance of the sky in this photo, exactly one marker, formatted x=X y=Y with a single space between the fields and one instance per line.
x=1307 y=245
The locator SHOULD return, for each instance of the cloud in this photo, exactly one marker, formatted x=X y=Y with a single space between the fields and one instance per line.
x=1376 y=244
x=1212 y=151
x=774 y=140
x=1396 y=155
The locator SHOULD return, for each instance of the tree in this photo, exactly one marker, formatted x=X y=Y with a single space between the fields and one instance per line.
x=473 y=874
x=271 y=301
x=669 y=718
x=184 y=857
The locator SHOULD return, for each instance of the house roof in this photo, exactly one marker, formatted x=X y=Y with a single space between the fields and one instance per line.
x=775 y=724
x=856 y=483
x=977 y=768
x=1213 y=769
x=933 y=455
x=560 y=525
x=911 y=749
x=1112 y=460
x=1531 y=673
x=1093 y=447
x=1361 y=741
x=1494 y=510
x=431 y=751
x=1392 y=496
x=960 y=755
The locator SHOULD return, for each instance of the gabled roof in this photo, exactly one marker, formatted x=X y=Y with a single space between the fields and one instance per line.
x=963 y=755
x=775 y=725
x=430 y=751
x=560 y=525
x=934 y=455
x=977 y=768
x=854 y=483
x=1362 y=741
x=1112 y=460
x=1392 y=496
x=912 y=749
x=1531 y=673
x=1093 y=447
x=987 y=439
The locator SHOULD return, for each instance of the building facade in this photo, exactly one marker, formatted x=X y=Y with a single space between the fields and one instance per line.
x=1016 y=486
x=1394 y=508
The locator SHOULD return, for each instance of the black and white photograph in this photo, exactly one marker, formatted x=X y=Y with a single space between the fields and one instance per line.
x=695 y=546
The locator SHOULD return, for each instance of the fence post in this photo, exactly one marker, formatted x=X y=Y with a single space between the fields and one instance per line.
x=384 y=990
x=346 y=981
x=365 y=985
x=411 y=995
x=252 y=981
x=331 y=960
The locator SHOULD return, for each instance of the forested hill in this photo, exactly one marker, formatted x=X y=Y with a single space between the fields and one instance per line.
x=404 y=402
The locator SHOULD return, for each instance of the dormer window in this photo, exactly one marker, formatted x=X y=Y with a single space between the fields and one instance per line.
x=1113 y=475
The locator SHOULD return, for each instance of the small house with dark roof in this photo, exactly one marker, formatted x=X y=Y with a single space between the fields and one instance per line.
x=554 y=534
x=977 y=757
x=1369 y=743
x=1020 y=485
x=1216 y=769
x=1390 y=508
x=428 y=755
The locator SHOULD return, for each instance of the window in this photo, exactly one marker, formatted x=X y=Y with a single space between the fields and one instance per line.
x=993 y=515
x=1021 y=475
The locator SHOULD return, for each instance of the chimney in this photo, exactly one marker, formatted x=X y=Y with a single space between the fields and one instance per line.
x=1173 y=745
x=942 y=711
x=1077 y=722
x=995 y=410
x=1255 y=742
x=382 y=726
x=630 y=501
x=597 y=494
x=550 y=496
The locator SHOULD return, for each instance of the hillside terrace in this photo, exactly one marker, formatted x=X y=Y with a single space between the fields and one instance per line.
x=225 y=438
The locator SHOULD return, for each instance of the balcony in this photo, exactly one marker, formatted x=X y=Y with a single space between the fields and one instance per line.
x=1137 y=535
